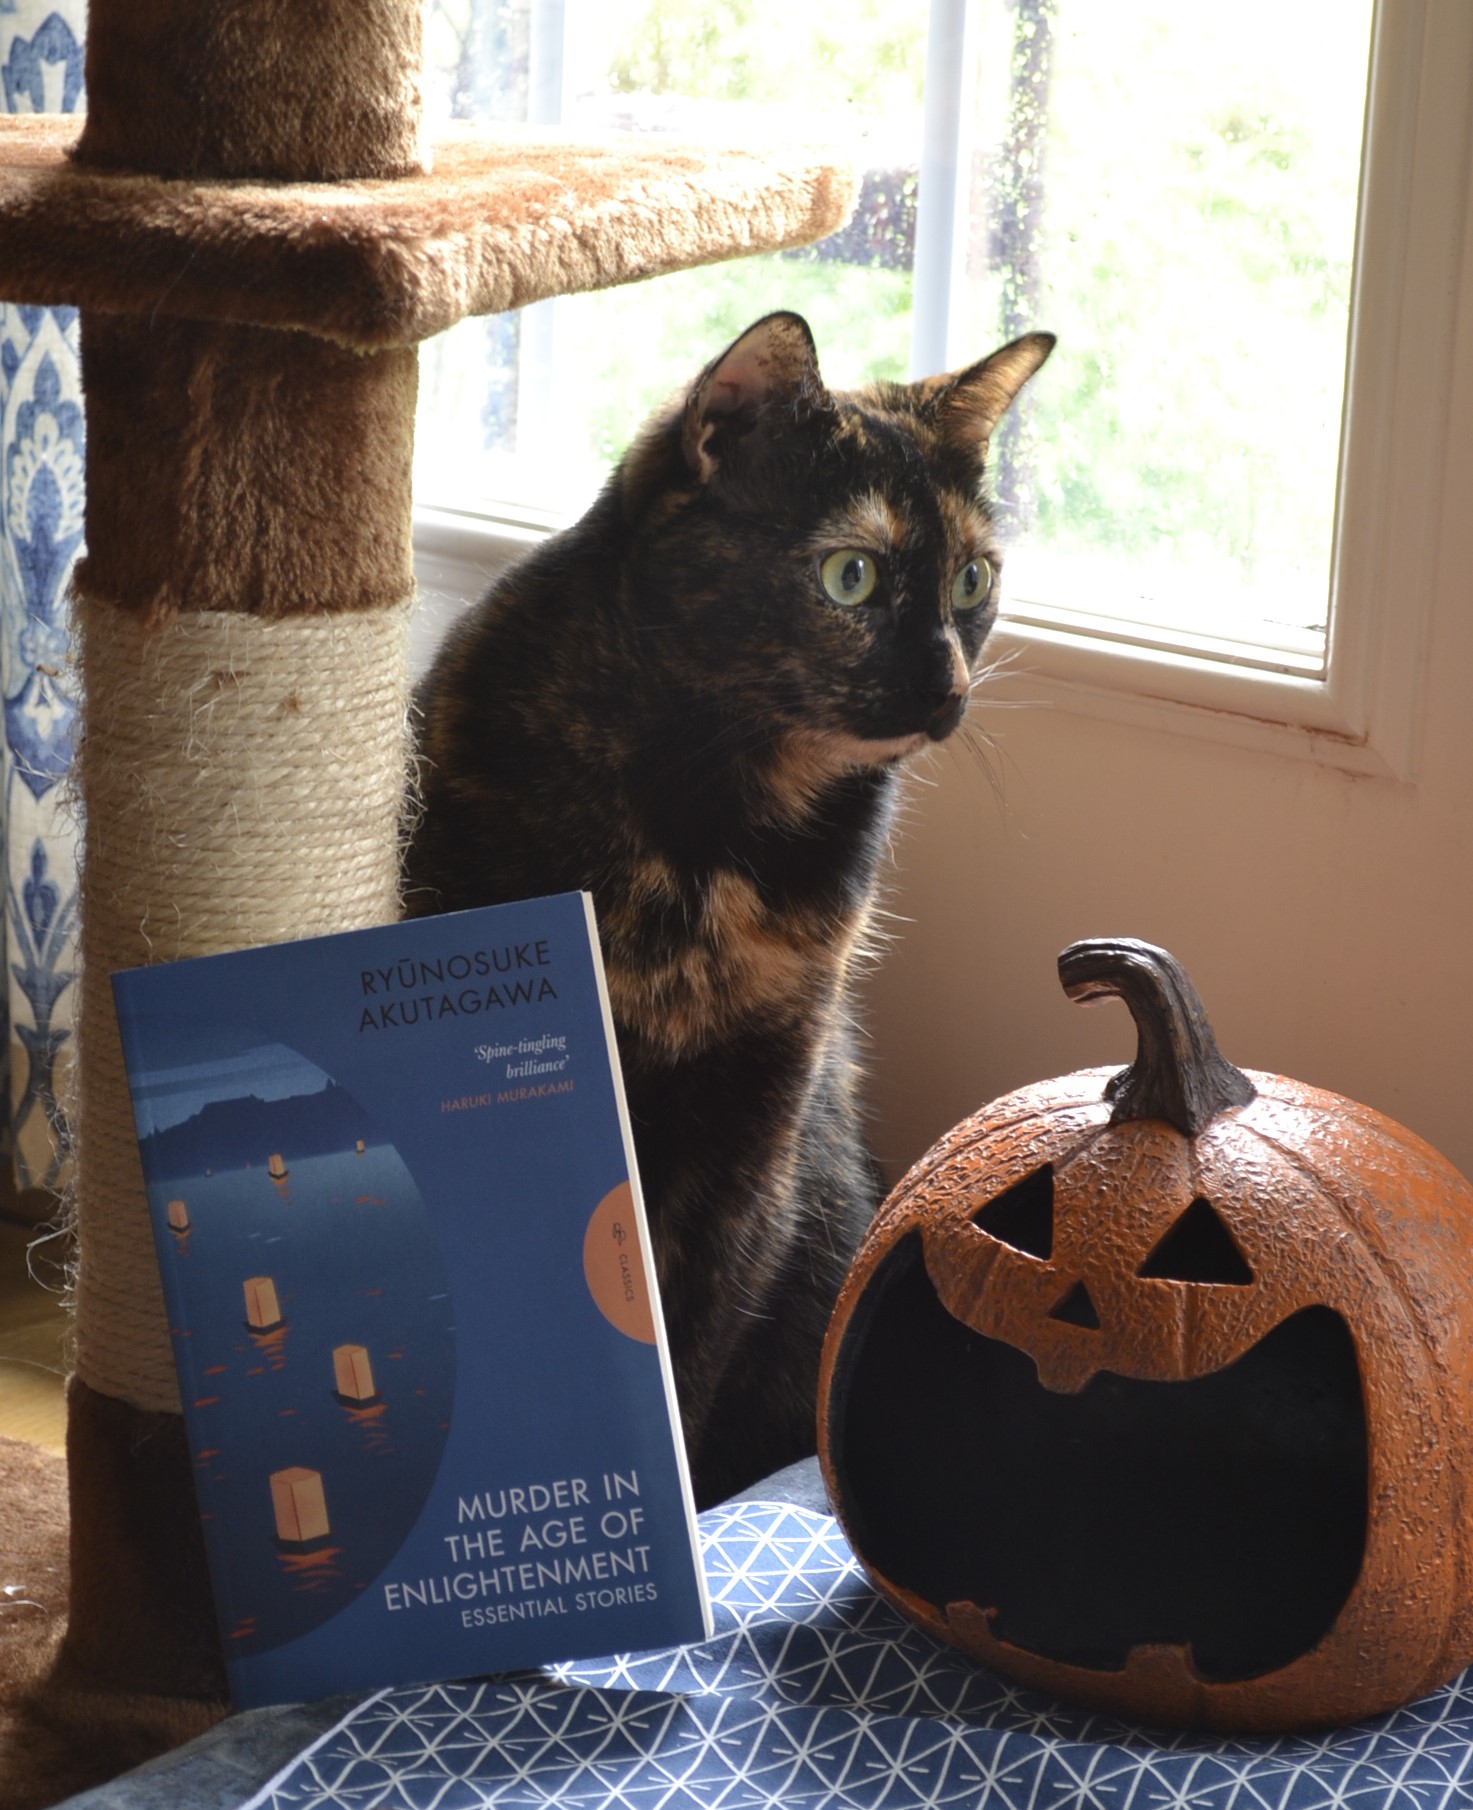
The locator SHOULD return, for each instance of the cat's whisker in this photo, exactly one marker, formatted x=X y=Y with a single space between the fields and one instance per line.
x=997 y=661
x=995 y=746
x=990 y=756
x=989 y=700
x=1004 y=666
x=979 y=741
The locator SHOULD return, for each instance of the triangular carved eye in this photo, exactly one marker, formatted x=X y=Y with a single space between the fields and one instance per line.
x=1198 y=1248
x=1076 y=1308
x=1023 y=1215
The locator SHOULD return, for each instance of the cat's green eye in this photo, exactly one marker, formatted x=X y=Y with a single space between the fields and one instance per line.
x=849 y=576
x=971 y=585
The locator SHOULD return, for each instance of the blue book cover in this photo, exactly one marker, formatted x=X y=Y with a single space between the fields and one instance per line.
x=412 y=1300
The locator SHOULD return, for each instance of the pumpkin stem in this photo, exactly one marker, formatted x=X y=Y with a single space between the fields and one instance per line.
x=1179 y=1074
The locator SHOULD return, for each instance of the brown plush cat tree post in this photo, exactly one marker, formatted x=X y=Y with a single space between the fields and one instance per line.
x=258 y=242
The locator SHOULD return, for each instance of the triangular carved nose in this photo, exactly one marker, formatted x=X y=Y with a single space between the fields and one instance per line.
x=1198 y=1248
x=1076 y=1308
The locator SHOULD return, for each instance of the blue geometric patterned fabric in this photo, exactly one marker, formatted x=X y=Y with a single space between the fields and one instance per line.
x=814 y=1695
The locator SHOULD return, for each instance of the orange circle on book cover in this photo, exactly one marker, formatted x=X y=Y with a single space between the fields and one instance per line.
x=614 y=1267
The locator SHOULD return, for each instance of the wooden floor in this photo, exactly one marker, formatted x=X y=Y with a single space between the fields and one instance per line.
x=33 y=1331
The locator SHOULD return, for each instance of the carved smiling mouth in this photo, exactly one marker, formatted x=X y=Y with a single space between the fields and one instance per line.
x=1224 y=1515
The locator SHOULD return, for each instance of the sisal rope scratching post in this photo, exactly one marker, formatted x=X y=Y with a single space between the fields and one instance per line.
x=258 y=241
x=287 y=735
x=242 y=612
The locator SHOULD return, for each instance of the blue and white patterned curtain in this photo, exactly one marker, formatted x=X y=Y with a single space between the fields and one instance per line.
x=40 y=537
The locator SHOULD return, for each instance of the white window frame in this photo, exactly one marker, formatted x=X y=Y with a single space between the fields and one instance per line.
x=1362 y=716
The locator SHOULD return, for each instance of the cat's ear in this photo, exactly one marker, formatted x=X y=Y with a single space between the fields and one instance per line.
x=773 y=364
x=969 y=404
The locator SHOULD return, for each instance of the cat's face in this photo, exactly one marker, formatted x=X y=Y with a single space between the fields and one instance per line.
x=825 y=558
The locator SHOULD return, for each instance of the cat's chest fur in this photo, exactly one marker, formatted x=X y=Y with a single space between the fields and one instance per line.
x=694 y=704
x=692 y=963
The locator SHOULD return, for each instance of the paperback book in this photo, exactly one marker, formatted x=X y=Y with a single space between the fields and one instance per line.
x=409 y=1285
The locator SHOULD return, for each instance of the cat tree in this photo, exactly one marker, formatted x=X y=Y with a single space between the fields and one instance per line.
x=258 y=240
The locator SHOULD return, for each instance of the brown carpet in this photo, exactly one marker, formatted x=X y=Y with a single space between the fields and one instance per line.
x=57 y=1738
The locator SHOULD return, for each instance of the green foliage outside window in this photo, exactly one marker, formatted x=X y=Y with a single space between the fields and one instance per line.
x=1171 y=190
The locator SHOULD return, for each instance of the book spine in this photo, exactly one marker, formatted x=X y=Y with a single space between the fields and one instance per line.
x=646 y=1251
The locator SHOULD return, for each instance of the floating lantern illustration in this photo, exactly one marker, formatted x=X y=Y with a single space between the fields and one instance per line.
x=178 y=1217
x=359 y=1146
x=276 y=1166
x=354 y=1375
x=263 y=1310
x=300 y=1505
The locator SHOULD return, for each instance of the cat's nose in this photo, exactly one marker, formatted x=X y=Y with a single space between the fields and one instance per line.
x=945 y=716
x=949 y=699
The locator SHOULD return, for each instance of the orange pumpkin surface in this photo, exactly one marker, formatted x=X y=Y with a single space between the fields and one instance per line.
x=1154 y=1388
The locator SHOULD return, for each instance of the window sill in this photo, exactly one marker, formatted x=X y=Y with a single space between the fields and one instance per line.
x=1182 y=693
x=457 y=555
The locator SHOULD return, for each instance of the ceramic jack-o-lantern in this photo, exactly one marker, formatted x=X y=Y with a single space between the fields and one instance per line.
x=1154 y=1388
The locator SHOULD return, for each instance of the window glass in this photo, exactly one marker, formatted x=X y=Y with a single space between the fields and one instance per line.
x=1171 y=189
x=531 y=409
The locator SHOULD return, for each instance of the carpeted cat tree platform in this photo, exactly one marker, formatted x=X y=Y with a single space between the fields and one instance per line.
x=257 y=240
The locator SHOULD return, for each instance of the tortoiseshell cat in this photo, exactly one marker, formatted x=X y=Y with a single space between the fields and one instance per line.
x=695 y=704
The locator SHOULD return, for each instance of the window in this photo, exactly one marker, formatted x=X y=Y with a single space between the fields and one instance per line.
x=1176 y=188
x=1172 y=189
x=529 y=411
